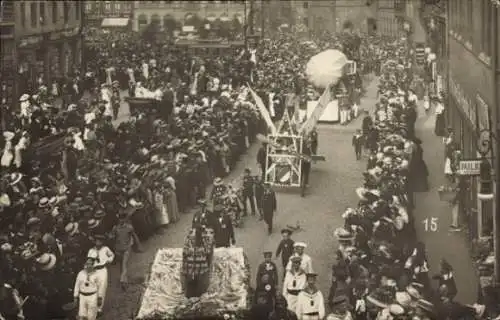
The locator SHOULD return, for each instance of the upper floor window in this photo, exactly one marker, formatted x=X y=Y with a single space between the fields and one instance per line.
x=305 y=5
x=487 y=12
x=42 y=13
x=118 y=7
x=66 y=11
x=55 y=11
x=107 y=6
x=22 y=13
x=88 y=7
x=33 y=14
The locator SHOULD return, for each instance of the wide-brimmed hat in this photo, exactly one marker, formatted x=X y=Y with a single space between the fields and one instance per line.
x=6 y=247
x=217 y=181
x=71 y=228
x=396 y=310
x=46 y=261
x=33 y=221
x=404 y=299
x=343 y=235
x=24 y=97
x=43 y=202
x=300 y=244
x=14 y=178
x=93 y=223
x=8 y=135
x=479 y=309
x=367 y=194
x=380 y=298
x=99 y=214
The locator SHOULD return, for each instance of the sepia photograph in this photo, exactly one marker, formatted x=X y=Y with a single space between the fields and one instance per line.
x=250 y=160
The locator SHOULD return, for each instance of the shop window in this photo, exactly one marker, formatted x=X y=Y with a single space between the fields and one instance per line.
x=55 y=11
x=486 y=212
x=305 y=5
x=22 y=13
x=42 y=13
x=33 y=14
x=66 y=11
x=305 y=21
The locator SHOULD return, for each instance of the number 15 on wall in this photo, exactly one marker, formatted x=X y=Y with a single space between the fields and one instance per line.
x=431 y=224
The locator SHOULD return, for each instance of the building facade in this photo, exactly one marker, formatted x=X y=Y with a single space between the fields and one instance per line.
x=388 y=17
x=166 y=12
x=43 y=42
x=97 y=11
x=473 y=85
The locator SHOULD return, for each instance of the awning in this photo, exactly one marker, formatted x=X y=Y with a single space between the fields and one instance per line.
x=114 y=22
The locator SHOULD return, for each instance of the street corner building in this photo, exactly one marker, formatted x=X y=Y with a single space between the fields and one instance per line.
x=40 y=43
x=473 y=98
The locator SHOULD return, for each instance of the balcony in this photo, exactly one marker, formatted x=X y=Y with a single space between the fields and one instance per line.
x=6 y=12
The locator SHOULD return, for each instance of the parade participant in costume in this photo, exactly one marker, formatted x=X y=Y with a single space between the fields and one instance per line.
x=264 y=298
x=202 y=218
x=285 y=248
x=294 y=282
x=248 y=192
x=87 y=292
x=103 y=256
x=310 y=302
x=306 y=262
x=282 y=311
x=268 y=267
x=223 y=228
x=218 y=191
x=269 y=206
x=306 y=164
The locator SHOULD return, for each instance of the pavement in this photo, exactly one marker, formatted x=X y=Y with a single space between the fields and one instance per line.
x=442 y=243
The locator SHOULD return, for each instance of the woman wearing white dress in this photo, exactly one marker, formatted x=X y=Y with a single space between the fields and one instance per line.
x=7 y=155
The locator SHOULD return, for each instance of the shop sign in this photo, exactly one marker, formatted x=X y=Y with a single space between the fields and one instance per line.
x=463 y=102
x=30 y=41
x=469 y=167
x=483 y=114
x=68 y=33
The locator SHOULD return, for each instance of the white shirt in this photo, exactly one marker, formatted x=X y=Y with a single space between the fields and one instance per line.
x=308 y=303
x=305 y=264
x=104 y=256
x=290 y=277
x=89 y=117
x=85 y=283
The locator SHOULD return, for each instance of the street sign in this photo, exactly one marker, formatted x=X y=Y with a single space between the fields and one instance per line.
x=469 y=167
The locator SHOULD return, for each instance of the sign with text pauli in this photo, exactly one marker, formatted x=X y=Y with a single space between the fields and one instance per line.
x=469 y=167
x=463 y=102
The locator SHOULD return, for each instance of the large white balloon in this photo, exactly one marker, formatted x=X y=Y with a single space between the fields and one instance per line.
x=325 y=68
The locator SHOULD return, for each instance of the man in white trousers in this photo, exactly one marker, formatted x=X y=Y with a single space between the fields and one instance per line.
x=86 y=292
x=102 y=257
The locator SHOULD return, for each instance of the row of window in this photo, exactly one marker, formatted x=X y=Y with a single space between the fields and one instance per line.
x=472 y=20
x=39 y=14
x=107 y=6
x=184 y=3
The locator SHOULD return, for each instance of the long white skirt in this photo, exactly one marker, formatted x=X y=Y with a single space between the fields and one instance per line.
x=447 y=166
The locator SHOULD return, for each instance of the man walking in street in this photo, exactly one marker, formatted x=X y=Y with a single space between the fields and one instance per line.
x=310 y=301
x=268 y=267
x=357 y=143
x=269 y=206
x=248 y=192
x=259 y=193
x=261 y=160
x=86 y=292
x=285 y=248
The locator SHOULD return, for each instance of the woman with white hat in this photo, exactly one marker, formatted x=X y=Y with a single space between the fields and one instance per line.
x=7 y=155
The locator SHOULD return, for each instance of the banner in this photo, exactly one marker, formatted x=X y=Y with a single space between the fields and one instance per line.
x=263 y=111
x=312 y=120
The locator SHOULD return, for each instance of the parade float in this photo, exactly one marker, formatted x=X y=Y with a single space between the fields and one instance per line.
x=224 y=288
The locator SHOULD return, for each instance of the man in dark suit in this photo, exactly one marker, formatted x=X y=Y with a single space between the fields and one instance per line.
x=223 y=227
x=269 y=206
x=268 y=267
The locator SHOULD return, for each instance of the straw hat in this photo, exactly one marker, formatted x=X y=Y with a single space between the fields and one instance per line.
x=24 y=97
x=217 y=181
x=343 y=235
x=14 y=178
x=71 y=228
x=8 y=135
x=380 y=298
x=403 y=298
x=46 y=261
x=396 y=310
x=365 y=194
x=425 y=305
x=93 y=223
x=414 y=290
x=43 y=203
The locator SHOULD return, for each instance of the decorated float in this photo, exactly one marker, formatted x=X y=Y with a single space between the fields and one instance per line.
x=197 y=282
